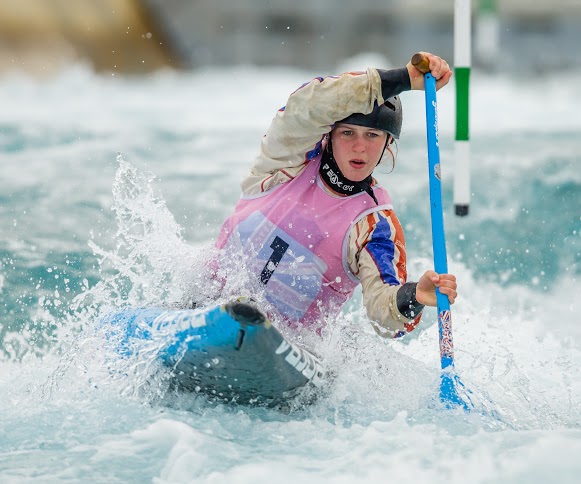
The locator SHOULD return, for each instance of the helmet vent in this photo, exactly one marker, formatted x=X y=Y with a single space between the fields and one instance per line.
x=390 y=105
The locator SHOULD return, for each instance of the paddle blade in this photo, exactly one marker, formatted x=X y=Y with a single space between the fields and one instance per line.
x=453 y=393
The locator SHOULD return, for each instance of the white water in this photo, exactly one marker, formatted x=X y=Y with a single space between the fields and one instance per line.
x=70 y=413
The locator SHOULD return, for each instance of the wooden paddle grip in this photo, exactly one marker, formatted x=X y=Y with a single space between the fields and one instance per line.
x=421 y=63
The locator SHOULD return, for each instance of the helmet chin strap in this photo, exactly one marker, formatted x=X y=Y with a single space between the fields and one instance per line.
x=331 y=174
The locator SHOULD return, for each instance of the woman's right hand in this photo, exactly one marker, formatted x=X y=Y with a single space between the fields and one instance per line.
x=439 y=68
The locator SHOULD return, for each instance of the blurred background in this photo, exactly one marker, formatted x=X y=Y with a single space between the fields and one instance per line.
x=140 y=36
x=125 y=129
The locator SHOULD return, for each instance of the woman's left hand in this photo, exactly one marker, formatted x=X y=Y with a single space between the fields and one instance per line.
x=426 y=287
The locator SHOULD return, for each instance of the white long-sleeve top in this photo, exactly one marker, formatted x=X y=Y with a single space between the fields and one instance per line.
x=376 y=250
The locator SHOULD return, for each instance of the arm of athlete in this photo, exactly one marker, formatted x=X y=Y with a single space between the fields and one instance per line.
x=297 y=129
x=377 y=256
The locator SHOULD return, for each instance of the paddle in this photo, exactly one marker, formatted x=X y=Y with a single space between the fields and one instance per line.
x=450 y=384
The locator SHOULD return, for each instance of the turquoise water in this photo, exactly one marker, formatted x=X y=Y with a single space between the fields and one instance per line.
x=112 y=191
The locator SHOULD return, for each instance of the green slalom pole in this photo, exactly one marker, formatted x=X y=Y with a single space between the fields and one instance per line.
x=462 y=64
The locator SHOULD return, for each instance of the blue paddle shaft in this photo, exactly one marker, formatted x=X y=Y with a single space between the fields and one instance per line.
x=437 y=215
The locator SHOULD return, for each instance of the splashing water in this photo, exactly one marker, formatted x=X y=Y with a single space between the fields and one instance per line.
x=73 y=409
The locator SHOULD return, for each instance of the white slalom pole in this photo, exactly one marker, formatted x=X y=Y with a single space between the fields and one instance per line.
x=462 y=64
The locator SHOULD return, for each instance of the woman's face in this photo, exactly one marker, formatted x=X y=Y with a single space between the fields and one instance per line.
x=357 y=149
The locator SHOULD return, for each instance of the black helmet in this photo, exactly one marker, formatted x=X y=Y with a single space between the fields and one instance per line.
x=386 y=117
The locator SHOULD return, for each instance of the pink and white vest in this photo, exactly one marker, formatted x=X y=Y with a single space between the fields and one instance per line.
x=292 y=241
